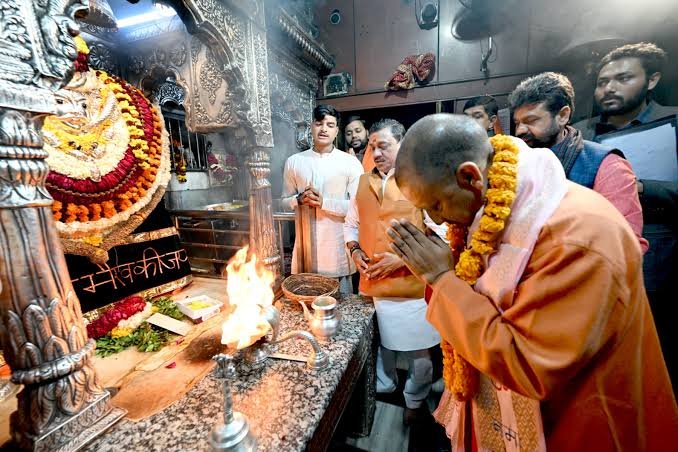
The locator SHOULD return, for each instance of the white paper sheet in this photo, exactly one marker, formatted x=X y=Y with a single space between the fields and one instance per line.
x=651 y=152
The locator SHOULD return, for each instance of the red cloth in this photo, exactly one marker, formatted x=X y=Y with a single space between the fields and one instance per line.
x=616 y=181
x=413 y=68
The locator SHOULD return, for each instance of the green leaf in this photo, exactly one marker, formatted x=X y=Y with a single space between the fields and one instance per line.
x=166 y=306
x=108 y=345
x=149 y=339
x=146 y=338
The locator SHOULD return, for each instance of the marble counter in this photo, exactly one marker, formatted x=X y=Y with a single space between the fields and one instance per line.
x=288 y=405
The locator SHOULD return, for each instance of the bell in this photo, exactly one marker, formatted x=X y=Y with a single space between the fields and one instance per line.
x=99 y=14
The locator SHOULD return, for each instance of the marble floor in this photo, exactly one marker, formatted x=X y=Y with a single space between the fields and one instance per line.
x=389 y=434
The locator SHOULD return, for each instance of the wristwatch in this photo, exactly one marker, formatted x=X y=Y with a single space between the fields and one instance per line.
x=299 y=197
x=352 y=248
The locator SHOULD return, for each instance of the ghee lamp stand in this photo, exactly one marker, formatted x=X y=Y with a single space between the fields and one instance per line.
x=234 y=434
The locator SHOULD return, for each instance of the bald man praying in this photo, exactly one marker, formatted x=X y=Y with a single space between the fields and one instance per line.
x=550 y=339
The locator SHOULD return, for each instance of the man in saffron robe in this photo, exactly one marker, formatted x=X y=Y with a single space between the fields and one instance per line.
x=558 y=324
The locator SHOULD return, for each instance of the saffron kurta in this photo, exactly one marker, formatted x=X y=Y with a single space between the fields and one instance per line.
x=578 y=336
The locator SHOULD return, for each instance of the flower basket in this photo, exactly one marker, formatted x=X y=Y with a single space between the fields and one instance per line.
x=306 y=287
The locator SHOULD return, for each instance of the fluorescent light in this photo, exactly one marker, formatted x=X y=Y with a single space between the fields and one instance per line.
x=160 y=12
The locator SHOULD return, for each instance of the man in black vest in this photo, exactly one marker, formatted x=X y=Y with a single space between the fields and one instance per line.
x=626 y=78
x=542 y=107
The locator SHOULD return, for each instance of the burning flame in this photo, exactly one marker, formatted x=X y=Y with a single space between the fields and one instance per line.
x=249 y=288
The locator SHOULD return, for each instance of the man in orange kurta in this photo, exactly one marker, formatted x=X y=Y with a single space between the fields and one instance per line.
x=578 y=335
x=368 y=159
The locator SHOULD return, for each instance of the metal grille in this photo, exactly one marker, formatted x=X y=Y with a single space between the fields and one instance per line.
x=186 y=145
x=211 y=238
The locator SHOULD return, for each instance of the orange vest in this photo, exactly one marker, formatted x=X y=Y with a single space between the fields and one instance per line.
x=375 y=215
x=368 y=160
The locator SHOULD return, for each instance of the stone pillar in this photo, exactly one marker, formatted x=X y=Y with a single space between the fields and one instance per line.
x=42 y=332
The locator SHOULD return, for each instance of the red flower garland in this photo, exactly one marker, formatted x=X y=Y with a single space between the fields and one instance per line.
x=127 y=183
x=109 y=319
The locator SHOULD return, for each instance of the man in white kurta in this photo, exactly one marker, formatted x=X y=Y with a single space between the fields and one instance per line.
x=397 y=296
x=324 y=178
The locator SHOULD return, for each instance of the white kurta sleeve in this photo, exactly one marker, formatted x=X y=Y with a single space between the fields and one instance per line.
x=289 y=189
x=339 y=207
x=351 y=222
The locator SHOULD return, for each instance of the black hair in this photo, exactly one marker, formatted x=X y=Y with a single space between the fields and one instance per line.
x=552 y=88
x=322 y=110
x=397 y=129
x=651 y=56
x=352 y=118
x=488 y=103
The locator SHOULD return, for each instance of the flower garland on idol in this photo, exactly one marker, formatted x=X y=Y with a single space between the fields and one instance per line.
x=461 y=379
x=109 y=164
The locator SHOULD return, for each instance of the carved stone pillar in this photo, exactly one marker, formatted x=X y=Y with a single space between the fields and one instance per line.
x=262 y=233
x=41 y=327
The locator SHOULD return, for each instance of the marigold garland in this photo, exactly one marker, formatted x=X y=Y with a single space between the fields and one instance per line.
x=144 y=128
x=144 y=145
x=460 y=377
x=81 y=45
x=81 y=62
x=113 y=167
x=179 y=162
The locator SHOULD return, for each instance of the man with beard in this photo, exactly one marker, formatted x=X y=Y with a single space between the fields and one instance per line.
x=484 y=110
x=626 y=79
x=323 y=179
x=542 y=107
x=355 y=135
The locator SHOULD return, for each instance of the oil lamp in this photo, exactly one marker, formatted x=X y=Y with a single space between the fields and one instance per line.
x=234 y=434
x=250 y=295
x=256 y=354
x=246 y=330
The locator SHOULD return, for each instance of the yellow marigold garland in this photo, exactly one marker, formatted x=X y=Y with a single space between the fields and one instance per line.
x=460 y=377
x=147 y=153
x=81 y=45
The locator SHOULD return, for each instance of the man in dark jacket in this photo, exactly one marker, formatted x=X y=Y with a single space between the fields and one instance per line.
x=542 y=107
x=626 y=79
